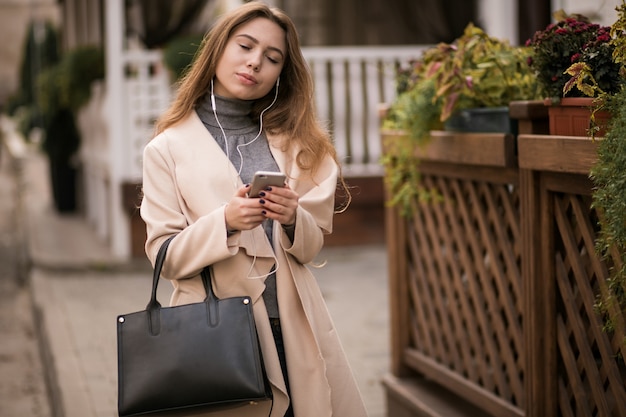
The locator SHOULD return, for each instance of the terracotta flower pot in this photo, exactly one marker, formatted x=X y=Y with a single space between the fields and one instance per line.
x=572 y=117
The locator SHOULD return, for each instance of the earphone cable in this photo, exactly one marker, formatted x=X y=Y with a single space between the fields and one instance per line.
x=224 y=133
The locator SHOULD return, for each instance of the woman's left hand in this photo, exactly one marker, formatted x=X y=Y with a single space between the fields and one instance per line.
x=280 y=204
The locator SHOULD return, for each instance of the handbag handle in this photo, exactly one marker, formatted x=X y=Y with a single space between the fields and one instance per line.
x=156 y=274
x=154 y=306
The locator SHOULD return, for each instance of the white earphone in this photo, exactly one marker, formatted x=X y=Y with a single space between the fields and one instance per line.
x=213 y=104
x=260 y=124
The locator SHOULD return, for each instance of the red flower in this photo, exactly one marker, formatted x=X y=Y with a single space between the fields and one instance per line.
x=573 y=39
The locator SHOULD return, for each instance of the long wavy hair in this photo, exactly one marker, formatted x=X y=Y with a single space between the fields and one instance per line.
x=293 y=114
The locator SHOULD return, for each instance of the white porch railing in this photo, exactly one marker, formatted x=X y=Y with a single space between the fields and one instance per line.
x=350 y=84
x=147 y=94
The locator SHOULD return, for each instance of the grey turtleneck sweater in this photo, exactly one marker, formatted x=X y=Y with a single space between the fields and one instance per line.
x=246 y=153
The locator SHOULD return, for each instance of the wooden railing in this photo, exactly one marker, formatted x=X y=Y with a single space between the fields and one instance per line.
x=493 y=286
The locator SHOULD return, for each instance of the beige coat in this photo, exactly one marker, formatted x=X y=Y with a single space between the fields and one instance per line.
x=187 y=181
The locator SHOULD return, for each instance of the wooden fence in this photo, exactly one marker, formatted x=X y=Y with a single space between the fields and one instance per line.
x=493 y=287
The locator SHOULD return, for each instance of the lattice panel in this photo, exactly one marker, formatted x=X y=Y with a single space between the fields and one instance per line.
x=591 y=371
x=465 y=284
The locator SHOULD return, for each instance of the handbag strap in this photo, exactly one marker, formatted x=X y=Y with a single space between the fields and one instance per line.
x=211 y=299
x=208 y=287
x=158 y=265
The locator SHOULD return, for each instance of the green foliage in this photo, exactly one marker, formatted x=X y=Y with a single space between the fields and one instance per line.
x=403 y=178
x=63 y=90
x=62 y=138
x=618 y=40
x=609 y=199
x=51 y=92
x=598 y=69
x=40 y=52
x=416 y=111
x=574 y=57
x=67 y=85
x=179 y=53
x=476 y=70
x=82 y=67
x=479 y=71
x=556 y=47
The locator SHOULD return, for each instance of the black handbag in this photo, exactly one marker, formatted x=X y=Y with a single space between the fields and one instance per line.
x=194 y=356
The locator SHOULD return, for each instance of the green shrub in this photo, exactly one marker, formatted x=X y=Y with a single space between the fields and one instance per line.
x=63 y=90
x=609 y=199
x=40 y=52
x=179 y=53
x=67 y=85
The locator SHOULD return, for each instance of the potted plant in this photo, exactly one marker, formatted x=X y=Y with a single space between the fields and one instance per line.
x=447 y=88
x=63 y=89
x=479 y=74
x=598 y=71
x=476 y=71
x=574 y=65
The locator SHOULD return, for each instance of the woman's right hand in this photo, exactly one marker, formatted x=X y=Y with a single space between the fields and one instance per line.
x=243 y=213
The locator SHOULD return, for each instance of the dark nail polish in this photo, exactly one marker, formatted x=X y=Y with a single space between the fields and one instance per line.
x=262 y=201
x=262 y=194
x=264 y=212
x=268 y=189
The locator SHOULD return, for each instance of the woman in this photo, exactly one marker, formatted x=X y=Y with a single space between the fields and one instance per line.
x=246 y=105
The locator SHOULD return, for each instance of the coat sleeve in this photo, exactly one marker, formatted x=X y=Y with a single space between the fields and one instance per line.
x=314 y=217
x=201 y=243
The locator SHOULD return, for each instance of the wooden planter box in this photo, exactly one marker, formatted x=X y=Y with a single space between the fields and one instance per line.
x=494 y=149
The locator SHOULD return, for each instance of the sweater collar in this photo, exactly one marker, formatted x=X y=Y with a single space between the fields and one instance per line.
x=233 y=114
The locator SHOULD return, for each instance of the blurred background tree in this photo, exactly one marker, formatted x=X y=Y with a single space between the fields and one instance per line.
x=41 y=52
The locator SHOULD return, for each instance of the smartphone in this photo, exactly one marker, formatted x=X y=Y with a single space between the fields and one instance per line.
x=264 y=179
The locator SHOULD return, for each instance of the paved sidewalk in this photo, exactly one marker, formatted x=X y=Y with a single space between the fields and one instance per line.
x=79 y=289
